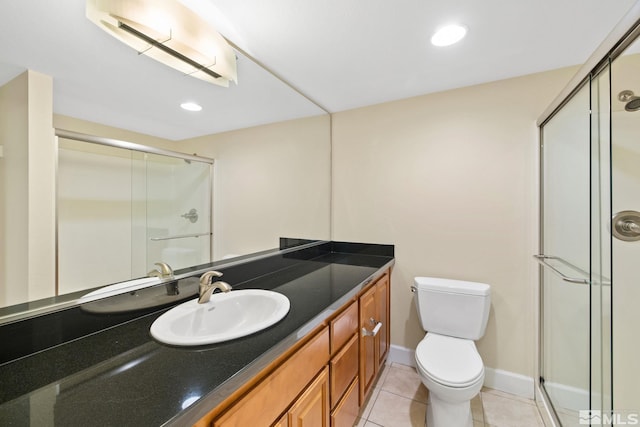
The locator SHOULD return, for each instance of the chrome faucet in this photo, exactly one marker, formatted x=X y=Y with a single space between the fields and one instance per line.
x=166 y=272
x=208 y=285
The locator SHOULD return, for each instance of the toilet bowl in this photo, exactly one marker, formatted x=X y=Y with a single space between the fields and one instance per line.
x=454 y=313
x=453 y=372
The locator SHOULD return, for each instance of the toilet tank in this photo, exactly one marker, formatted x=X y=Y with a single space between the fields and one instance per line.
x=452 y=307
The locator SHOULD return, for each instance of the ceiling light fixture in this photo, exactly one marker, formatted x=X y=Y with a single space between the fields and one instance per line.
x=190 y=106
x=170 y=33
x=448 y=35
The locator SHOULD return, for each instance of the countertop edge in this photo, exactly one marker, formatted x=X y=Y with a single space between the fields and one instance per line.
x=195 y=412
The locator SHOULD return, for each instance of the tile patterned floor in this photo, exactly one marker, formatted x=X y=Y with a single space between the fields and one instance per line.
x=399 y=399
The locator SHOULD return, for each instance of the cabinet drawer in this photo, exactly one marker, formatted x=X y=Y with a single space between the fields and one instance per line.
x=346 y=413
x=344 y=368
x=343 y=326
x=270 y=398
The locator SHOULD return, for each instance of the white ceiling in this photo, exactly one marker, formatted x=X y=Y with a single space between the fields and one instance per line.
x=342 y=54
x=347 y=54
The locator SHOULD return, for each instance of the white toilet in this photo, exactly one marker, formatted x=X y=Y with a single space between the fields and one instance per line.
x=455 y=314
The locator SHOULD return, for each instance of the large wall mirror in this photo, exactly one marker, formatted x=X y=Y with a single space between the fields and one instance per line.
x=270 y=145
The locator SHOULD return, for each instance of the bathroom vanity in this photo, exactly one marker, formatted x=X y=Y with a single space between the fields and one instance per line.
x=319 y=379
x=314 y=367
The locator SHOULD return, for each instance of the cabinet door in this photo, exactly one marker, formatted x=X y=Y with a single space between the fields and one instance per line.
x=374 y=332
x=382 y=302
x=368 y=358
x=263 y=404
x=346 y=412
x=312 y=408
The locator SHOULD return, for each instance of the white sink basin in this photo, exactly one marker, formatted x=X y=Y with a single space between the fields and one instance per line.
x=225 y=317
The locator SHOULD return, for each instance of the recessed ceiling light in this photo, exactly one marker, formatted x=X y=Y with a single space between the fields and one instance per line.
x=448 y=35
x=190 y=106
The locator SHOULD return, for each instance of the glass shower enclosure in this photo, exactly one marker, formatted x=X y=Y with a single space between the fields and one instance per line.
x=123 y=207
x=590 y=240
x=575 y=355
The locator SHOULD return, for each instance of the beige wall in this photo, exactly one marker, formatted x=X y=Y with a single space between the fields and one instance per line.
x=450 y=179
x=28 y=176
x=270 y=181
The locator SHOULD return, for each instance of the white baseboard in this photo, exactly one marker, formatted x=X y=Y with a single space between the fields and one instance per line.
x=497 y=379
x=509 y=382
x=402 y=355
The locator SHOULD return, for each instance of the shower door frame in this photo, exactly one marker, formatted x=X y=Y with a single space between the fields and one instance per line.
x=540 y=390
x=624 y=34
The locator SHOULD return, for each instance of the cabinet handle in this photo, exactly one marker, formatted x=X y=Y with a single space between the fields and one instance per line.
x=372 y=333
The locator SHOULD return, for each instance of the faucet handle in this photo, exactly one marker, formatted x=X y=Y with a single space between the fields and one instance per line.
x=207 y=286
x=166 y=272
x=165 y=268
x=206 y=278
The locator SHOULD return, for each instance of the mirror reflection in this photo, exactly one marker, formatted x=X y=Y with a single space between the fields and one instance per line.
x=150 y=208
x=75 y=216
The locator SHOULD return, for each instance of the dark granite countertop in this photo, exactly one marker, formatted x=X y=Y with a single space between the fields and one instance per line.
x=120 y=376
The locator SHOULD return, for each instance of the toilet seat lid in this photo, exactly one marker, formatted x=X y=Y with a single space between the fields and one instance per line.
x=450 y=361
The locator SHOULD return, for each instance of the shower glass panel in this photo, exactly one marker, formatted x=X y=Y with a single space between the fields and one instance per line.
x=178 y=221
x=576 y=359
x=565 y=173
x=590 y=237
x=120 y=211
x=625 y=197
x=94 y=215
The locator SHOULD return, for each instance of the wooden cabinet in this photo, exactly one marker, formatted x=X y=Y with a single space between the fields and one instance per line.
x=383 y=315
x=343 y=327
x=374 y=332
x=282 y=422
x=344 y=367
x=325 y=379
x=265 y=403
x=368 y=360
x=312 y=408
x=347 y=410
